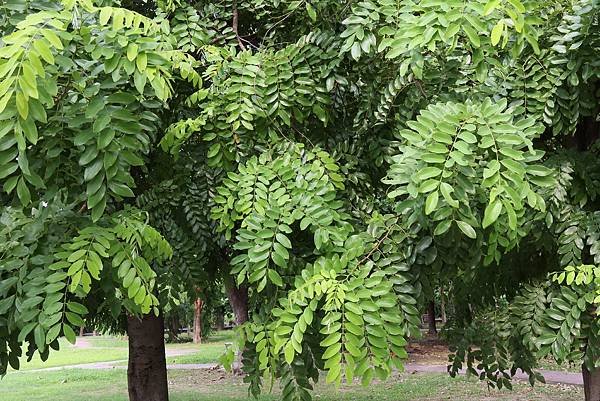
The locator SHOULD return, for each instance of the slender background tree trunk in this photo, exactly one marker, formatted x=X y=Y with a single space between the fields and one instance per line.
x=198 y=321
x=220 y=319
x=591 y=384
x=431 y=318
x=147 y=368
x=443 y=305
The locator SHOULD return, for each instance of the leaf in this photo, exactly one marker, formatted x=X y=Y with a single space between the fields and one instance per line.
x=69 y=333
x=132 y=51
x=490 y=7
x=141 y=62
x=105 y=13
x=41 y=45
x=23 y=192
x=311 y=12
x=275 y=278
x=52 y=334
x=77 y=308
x=39 y=337
x=22 y=105
x=492 y=211
x=25 y=331
x=466 y=229
x=283 y=240
x=289 y=353
x=497 y=32
x=431 y=202
x=473 y=36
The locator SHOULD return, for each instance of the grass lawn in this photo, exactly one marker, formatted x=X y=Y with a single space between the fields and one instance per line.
x=202 y=385
x=108 y=348
x=72 y=355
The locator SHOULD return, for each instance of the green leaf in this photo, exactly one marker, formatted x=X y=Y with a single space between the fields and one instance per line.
x=23 y=192
x=492 y=211
x=431 y=202
x=22 y=105
x=25 y=331
x=311 y=12
x=490 y=7
x=497 y=32
x=105 y=13
x=275 y=277
x=141 y=62
x=52 y=334
x=466 y=229
x=472 y=35
x=69 y=333
x=77 y=308
x=289 y=353
x=41 y=45
x=40 y=338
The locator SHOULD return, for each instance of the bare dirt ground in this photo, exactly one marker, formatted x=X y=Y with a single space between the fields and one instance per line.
x=428 y=351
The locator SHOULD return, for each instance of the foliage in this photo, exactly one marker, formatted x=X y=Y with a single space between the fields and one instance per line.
x=81 y=88
x=339 y=160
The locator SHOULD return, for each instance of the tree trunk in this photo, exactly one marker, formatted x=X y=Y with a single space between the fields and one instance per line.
x=173 y=327
x=591 y=384
x=238 y=298
x=431 y=318
x=81 y=331
x=198 y=321
x=443 y=305
x=147 y=368
x=220 y=319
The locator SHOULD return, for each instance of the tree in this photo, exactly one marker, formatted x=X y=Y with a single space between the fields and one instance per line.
x=337 y=162
x=81 y=92
x=481 y=115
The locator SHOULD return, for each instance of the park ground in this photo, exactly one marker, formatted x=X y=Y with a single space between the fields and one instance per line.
x=104 y=378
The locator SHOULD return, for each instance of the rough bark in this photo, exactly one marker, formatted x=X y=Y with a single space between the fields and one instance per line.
x=238 y=298
x=147 y=368
x=591 y=384
x=198 y=321
x=431 y=318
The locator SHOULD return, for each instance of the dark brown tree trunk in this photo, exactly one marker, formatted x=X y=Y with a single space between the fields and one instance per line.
x=431 y=319
x=198 y=321
x=591 y=384
x=220 y=319
x=173 y=327
x=147 y=368
x=238 y=298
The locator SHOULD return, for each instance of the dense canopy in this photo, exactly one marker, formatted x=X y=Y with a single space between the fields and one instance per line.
x=338 y=160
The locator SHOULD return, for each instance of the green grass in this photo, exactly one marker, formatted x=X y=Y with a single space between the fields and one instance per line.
x=110 y=385
x=207 y=352
x=72 y=355
x=550 y=364
x=108 y=348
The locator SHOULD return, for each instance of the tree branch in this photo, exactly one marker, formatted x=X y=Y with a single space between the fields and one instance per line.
x=235 y=26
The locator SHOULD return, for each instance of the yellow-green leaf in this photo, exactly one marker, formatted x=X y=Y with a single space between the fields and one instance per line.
x=497 y=32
